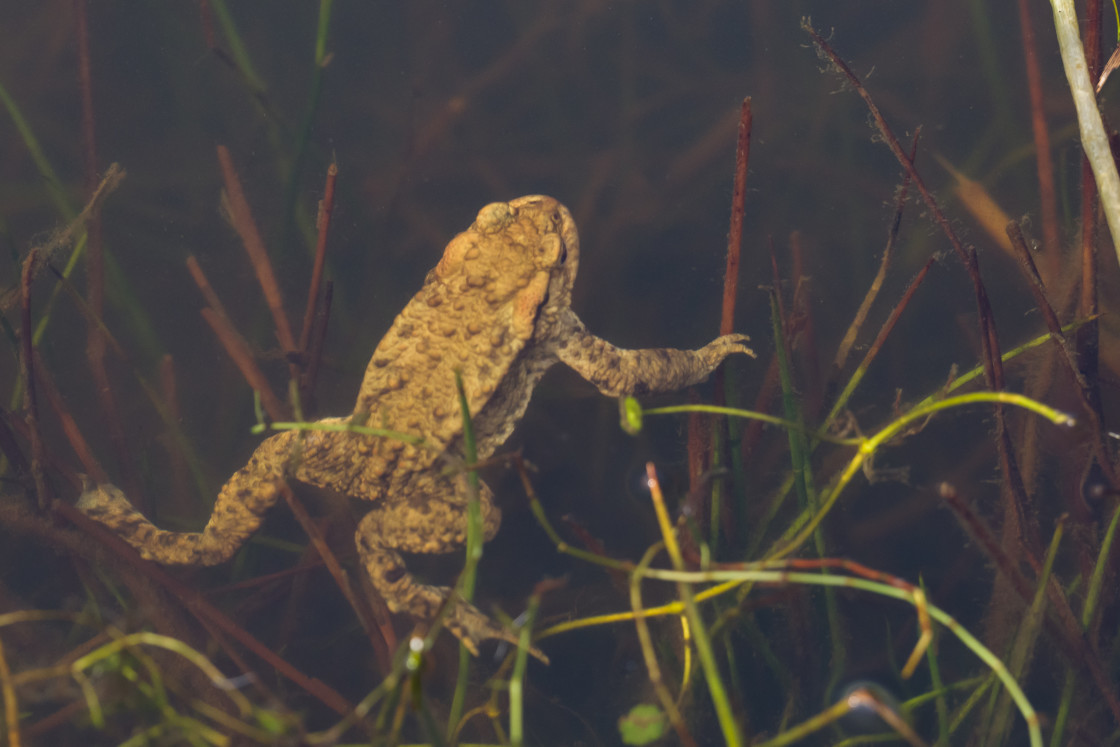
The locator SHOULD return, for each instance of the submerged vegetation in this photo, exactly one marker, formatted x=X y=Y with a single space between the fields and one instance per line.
x=905 y=536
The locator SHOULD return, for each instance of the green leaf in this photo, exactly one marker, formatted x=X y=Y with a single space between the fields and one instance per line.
x=644 y=724
x=630 y=415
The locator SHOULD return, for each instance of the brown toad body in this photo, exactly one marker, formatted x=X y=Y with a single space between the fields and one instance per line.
x=497 y=309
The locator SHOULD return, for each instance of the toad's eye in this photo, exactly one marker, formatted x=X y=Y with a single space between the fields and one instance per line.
x=556 y=220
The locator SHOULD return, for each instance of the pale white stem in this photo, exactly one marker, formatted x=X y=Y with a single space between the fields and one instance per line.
x=1094 y=141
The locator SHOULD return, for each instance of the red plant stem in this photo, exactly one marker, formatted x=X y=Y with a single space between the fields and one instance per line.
x=64 y=716
x=74 y=435
x=85 y=81
x=206 y=16
x=1044 y=162
x=1090 y=219
x=254 y=246
x=384 y=644
x=238 y=350
x=735 y=234
x=318 y=338
x=896 y=314
x=323 y=224
x=233 y=343
x=701 y=441
x=1035 y=284
x=203 y=284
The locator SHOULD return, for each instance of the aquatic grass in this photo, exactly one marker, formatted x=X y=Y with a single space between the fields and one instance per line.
x=464 y=588
x=801 y=468
x=1088 y=614
x=708 y=665
x=124 y=656
x=77 y=237
x=727 y=579
x=800 y=530
x=1023 y=646
x=748 y=574
x=293 y=209
x=402 y=692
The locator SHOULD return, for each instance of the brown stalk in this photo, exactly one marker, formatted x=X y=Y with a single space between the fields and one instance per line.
x=318 y=337
x=877 y=284
x=27 y=357
x=1044 y=161
x=322 y=225
x=1092 y=37
x=979 y=532
x=169 y=393
x=698 y=443
x=89 y=139
x=198 y=606
x=69 y=425
x=735 y=233
x=383 y=643
x=1038 y=291
x=266 y=578
x=1087 y=338
x=246 y=228
x=701 y=439
x=238 y=350
x=803 y=330
x=895 y=315
x=1088 y=393
x=9 y=446
x=207 y=290
x=234 y=343
x=66 y=715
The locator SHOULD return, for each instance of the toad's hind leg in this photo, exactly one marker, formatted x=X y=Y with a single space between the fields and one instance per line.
x=423 y=525
x=237 y=514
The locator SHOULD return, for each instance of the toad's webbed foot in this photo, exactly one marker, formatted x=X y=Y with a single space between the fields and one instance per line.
x=387 y=572
x=470 y=626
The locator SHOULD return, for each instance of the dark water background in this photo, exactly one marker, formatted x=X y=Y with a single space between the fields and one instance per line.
x=626 y=112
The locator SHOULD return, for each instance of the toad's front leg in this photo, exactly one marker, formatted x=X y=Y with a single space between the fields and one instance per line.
x=417 y=520
x=617 y=372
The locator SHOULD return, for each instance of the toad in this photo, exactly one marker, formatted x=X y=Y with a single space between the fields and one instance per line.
x=497 y=309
